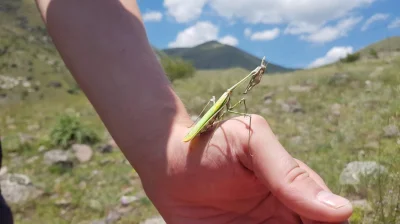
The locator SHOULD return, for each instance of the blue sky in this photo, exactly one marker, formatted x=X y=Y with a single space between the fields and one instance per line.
x=293 y=33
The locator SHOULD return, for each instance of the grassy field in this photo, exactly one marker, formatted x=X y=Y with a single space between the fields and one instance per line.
x=326 y=117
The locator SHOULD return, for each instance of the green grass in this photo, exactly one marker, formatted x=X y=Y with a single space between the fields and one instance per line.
x=328 y=142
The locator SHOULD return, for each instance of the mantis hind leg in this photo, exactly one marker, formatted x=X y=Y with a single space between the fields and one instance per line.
x=243 y=100
x=200 y=115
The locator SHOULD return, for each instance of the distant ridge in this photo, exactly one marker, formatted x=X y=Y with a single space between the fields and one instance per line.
x=215 y=55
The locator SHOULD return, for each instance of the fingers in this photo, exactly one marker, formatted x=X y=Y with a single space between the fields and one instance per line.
x=292 y=182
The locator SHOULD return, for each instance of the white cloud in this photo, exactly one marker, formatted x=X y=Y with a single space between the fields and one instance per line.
x=229 y=40
x=266 y=34
x=267 y=11
x=395 y=23
x=184 y=10
x=247 y=32
x=374 y=18
x=332 y=55
x=296 y=28
x=330 y=33
x=286 y=11
x=152 y=16
x=199 y=33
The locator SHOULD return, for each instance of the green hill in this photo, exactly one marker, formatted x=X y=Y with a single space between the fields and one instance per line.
x=214 y=55
x=385 y=46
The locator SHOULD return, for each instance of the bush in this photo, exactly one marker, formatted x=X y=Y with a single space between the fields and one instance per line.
x=69 y=130
x=373 y=53
x=351 y=58
x=177 y=68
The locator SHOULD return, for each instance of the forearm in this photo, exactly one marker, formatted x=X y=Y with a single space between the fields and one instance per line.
x=104 y=45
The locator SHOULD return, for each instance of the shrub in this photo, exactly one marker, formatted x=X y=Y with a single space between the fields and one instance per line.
x=177 y=68
x=351 y=58
x=69 y=130
x=373 y=53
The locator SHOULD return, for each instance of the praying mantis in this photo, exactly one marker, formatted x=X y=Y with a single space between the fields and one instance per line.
x=216 y=112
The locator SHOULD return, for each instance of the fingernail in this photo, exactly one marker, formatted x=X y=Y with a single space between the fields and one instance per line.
x=332 y=200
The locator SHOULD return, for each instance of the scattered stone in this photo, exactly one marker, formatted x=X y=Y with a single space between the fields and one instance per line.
x=82 y=185
x=57 y=156
x=106 y=148
x=269 y=96
x=296 y=140
x=126 y=200
x=291 y=106
x=113 y=216
x=54 y=84
x=398 y=141
x=33 y=127
x=353 y=171
x=391 y=131
x=41 y=148
x=300 y=88
x=25 y=138
x=95 y=205
x=3 y=171
x=63 y=202
x=82 y=152
x=268 y=101
x=154 y=220
x=372 y=145
x=32 y=159
x=335 y=109
x=18 y=188
x=266 y=111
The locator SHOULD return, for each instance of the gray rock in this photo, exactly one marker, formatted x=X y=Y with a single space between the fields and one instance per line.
x=296 y=140
x=269 y=96
x=126 y=200
x=57 y=156
x=335 y=109
x=300 y=88
x=355 y=170
x=154 y=220
x=391 y=131
x=106 y=148
x=291 y=106
x=18 y=188
x=3 y=171
x=82 y=152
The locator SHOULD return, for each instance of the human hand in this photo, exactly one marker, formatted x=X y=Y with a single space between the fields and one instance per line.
x=217 y=178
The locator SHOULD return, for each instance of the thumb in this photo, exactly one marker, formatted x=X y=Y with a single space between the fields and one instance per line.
x=288 y=181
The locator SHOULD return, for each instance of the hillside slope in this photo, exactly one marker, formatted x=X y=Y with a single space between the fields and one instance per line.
x=214 y=55
x=385 y=46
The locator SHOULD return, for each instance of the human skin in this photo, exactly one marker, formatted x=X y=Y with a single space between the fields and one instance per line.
x=217 y=177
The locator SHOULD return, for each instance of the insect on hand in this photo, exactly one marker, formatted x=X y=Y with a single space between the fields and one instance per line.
x=216 y=112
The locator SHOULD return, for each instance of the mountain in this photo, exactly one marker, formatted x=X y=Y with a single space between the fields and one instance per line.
x=215 y=55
